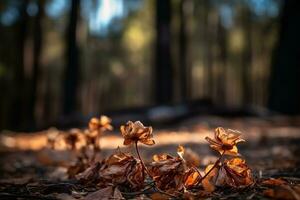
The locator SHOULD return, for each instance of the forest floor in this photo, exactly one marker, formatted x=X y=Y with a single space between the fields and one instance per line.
x=31 y=170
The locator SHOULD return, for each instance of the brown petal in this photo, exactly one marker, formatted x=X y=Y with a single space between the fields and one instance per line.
x=232 y=152
x=123 y=130
x=192 y=178
x=148 y=141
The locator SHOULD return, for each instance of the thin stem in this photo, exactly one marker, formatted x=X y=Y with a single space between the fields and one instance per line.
x=214 y=166
x=145 y=168
x=165 y=193
x=143 y=164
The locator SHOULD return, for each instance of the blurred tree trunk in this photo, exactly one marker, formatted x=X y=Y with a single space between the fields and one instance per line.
x=284 y=88
x=163 y=68
x=246 y=57
x=72 y=68
x=185 y=11
x=208 y=56
x=17 y=111
x=37 y=52
x=221 y=79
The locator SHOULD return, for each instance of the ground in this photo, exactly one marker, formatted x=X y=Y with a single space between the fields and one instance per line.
x=30 y=170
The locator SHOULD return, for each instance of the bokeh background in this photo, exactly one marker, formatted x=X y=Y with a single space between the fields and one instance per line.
x=62 y=61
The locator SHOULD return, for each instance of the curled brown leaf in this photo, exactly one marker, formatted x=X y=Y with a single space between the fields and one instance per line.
x=168 y=172
x=123 y=169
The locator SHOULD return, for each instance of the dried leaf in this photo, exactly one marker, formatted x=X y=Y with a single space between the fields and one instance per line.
x=80 y=165
x=283 y=192
x=208 y=182
x=238 y=173
x=168 y=172
x=91 y=173
x=124 y=169
x=192 y=177
x=105 y=194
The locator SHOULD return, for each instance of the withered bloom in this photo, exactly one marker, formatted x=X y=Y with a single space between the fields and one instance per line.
x=225 y=141
x=233 y=172
x=124 y=169
x=96 y=128
x=237 y=172
x=75 y=139
x=137 y=132
x=103 y=123
x=168 y=172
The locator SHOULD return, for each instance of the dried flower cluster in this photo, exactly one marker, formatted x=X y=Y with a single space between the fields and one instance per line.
x=125 y=175
x=86 y=143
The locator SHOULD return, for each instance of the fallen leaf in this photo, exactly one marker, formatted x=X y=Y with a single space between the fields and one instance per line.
x=107 y=193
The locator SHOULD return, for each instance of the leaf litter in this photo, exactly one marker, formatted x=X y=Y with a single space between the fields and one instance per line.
x=124 y=175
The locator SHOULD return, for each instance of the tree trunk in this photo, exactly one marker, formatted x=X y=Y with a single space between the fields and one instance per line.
x=37 y=52
x=184 y=50
x=163 y=68
x=72 y=68
x=17 y=111
x=208 y=55
x=284 y=88
x=222 y=78
x=247 y=58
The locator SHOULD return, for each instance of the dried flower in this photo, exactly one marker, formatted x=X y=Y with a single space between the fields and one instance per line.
x=75 y=139
x=168 y=172
x=124 y=169
x=96 y=128
x=237 y=172
x=225 y=141
x=233 y=172
x=103 y=123
x=136 y=131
